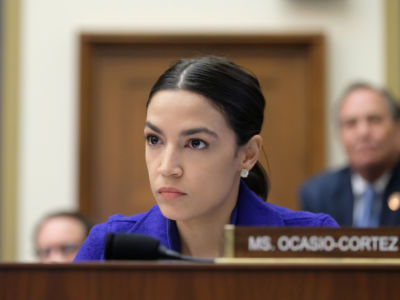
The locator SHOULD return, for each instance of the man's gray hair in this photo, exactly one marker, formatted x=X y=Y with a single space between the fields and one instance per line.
x=385 y=93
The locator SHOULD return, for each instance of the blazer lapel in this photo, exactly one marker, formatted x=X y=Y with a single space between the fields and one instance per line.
x=344 y=199
x=389 y=217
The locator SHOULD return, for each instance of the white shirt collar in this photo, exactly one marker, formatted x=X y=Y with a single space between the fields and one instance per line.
x=359 y=184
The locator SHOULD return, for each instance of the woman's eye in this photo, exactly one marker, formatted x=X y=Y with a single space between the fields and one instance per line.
x=152 y=140
x=197 y=144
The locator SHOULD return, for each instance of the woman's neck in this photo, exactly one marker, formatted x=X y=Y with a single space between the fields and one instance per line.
x=204 y=236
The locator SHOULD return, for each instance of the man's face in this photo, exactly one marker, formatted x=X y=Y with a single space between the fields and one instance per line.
x=368 y=132
x=58 y=240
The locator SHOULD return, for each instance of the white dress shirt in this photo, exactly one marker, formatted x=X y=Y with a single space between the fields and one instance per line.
x=359 y=185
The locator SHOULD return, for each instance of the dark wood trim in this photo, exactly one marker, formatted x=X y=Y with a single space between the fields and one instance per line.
x=133 y=39
x=327 y=264
x=86 y=90
x=317 y=146
x=174 y=280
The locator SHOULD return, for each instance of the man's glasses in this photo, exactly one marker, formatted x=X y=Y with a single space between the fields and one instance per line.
x=65 y=250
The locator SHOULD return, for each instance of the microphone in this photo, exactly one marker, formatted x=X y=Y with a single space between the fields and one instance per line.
x=129 y=246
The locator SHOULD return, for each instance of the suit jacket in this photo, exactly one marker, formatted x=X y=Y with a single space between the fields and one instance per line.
x=250 y=210
x=331 y=193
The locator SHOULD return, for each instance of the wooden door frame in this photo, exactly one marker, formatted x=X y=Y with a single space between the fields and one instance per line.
x=90 y=42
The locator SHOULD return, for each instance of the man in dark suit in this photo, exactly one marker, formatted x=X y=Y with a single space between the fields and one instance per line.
x=367 y=192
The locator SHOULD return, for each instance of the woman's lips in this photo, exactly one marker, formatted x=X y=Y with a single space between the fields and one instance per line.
x=170 y=193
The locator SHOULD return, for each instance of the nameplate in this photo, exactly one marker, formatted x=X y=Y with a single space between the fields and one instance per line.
x=381 y=242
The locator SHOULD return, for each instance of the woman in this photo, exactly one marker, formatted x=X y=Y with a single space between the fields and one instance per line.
x=204 y=117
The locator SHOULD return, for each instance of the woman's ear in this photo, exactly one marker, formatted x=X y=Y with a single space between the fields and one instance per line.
x=251 y=152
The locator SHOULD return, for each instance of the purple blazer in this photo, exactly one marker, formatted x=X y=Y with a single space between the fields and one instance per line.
x=250 y=210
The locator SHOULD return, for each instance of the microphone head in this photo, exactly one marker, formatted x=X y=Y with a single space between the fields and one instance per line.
x=128 y=246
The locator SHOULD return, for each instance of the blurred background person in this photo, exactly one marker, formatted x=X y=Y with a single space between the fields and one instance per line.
x=366 y=192
x=59 y=235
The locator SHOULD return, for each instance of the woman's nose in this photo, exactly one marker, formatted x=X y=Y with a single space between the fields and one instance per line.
x=170 y=164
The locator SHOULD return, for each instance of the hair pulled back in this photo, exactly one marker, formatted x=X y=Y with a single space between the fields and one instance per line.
x=235 y=92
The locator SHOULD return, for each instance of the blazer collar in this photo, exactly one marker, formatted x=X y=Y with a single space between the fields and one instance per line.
x=250 y=210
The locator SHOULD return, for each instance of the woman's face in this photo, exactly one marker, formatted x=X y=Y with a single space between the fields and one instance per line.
x=192 y=157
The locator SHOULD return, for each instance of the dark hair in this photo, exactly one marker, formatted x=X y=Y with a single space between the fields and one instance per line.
x=393 y=106
x=235 y=92
x=86 y=223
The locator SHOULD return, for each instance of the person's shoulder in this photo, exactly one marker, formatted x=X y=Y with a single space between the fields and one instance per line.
x=326 y=177
x=121 y=223
x=396 y=169
x=123 y=220
x=323 y=186
x=93 y=247
x=393 y=184
x=304 y=218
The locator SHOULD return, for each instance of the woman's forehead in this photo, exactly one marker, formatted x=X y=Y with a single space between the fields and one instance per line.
x=179 y=104
x=183 y=110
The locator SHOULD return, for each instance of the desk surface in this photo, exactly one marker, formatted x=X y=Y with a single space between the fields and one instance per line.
x=277 y=279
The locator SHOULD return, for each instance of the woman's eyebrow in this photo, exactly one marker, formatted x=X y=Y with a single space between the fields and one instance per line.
x=153 y=127
x=184 y=132
x=199 y=130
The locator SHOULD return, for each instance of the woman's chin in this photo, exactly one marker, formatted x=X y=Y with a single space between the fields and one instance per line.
x=171 y=213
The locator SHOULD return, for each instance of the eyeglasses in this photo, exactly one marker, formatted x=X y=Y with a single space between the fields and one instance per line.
x=65 y=250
